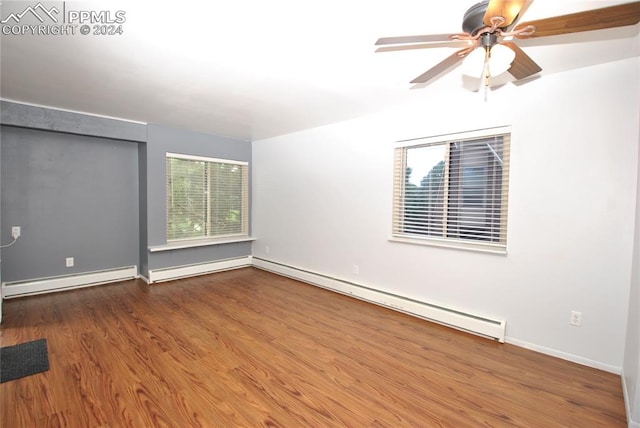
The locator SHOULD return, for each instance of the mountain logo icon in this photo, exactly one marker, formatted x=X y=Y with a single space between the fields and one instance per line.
x=38 y=11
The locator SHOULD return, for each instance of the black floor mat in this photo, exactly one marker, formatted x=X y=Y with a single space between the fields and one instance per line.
x=23 y=360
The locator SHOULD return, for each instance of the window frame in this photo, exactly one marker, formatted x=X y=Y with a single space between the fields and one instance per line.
x=399 y=191
x=210 y=239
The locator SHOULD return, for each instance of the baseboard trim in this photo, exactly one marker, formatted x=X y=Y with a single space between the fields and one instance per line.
x=627 y=403
x=67 y=282
x=177 y=272
x=456 y=318
x=565 y=356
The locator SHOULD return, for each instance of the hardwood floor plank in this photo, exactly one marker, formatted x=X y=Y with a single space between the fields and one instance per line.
x=249 y=348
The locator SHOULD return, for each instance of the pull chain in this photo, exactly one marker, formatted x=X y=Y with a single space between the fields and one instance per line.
x=486 y=74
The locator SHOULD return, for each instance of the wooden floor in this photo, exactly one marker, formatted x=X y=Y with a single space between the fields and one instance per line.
x=247 y=348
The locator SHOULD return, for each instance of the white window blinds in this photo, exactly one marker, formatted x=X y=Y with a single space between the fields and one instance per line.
x=206 y=197
x=453 y=189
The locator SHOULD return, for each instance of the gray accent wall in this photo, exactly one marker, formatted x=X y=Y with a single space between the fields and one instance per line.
x=195 y=255
x=73 y=196
x=143 y=267
x=70 y=181
x=35 y=117
x=1 y=243
x=93 y=188
x=163 y=139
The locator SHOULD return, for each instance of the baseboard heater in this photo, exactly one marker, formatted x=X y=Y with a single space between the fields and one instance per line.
x=67 y=282
x=177 y=272
x=461 y=320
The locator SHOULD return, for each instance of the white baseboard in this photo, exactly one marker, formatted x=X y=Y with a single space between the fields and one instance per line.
x=627 y=403
x=565 y=356
x=176 y=272
x=67 y=282
x=493 y=328
x=456 y=318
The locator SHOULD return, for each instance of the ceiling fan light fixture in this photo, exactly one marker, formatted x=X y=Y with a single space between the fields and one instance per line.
x=500 y=61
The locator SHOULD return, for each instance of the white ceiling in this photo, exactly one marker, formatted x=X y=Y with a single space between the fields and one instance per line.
x=252 y=69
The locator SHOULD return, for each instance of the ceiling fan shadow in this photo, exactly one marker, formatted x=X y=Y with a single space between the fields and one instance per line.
x=450 y=44
x=587 y=49
x=526 y=80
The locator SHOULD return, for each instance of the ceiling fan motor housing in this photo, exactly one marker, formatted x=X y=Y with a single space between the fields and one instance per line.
x=474 y=18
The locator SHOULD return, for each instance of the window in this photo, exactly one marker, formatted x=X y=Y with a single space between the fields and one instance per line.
x=452 y=190
x=206 y=198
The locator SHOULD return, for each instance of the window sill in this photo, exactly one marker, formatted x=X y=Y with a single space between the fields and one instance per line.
x=456 y=245
x=177 y=245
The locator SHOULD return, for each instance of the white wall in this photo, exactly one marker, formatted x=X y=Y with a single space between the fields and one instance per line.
x=322 y=202
x=631 y=366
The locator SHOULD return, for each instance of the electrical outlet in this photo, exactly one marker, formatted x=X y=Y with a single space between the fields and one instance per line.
x=266 y=249
x=69 y=262
x=15 y=232
x=356 y=269
x=576 y=318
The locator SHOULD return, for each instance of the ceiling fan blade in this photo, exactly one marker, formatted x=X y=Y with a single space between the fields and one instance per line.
x=598 y=19
x=522 y=66
x=430 y=38
x=508 y=9
x=444 y=65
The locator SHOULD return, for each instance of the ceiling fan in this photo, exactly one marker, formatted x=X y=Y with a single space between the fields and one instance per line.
x=493 y=24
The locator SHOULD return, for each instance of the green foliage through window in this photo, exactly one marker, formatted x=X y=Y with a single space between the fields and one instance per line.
x=453 y=190
x=206 y=198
